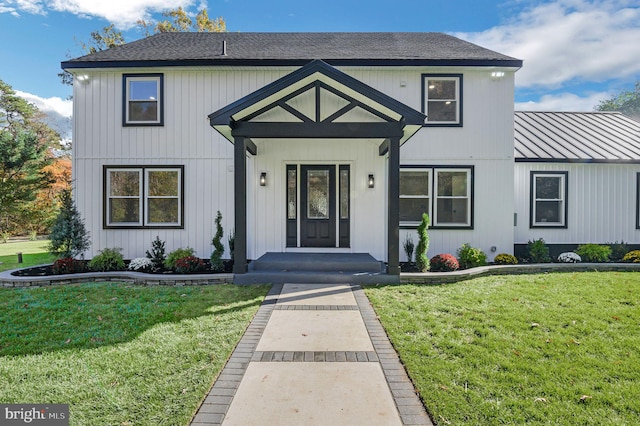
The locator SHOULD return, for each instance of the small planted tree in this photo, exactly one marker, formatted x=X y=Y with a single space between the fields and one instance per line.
x=218 y=247
x=408 y=246
x=422 y=261
x=69 y=238
x=157 y=254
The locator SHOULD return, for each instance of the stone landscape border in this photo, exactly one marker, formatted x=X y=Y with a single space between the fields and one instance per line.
x=130 y=277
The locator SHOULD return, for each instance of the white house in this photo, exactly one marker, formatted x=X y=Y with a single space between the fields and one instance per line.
x=321 y=142
x=577 y=179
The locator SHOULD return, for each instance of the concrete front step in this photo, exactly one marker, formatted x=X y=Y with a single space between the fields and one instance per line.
x=345 y=263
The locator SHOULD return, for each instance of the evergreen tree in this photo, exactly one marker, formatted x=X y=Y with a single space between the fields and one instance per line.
x=422 y=260
x=69 y=238
x=218 y=248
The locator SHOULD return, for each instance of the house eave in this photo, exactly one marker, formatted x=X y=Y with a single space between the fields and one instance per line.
x=221 y=62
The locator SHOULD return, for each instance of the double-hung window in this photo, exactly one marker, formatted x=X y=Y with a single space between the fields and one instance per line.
x=444 y=193
x=548 y=200
x=442 y=99
x=143 y=100
x=143 y=197
x=415 y=187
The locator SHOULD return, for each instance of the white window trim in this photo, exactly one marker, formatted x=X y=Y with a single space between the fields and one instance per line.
x=429 y=172
x=147 y=196
x=159 y=100
x=437 y=197
x=111 y=197
x=457 y=99
x=562 y=199
x=143 y=197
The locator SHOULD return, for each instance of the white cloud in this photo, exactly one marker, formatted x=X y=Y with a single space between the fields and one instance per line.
x=122 y=13
x=583 y=40
x=57 y=110
x=563 y=102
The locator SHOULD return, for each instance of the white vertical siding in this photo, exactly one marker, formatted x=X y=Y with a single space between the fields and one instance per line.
x=485 y=141
x=601 y=203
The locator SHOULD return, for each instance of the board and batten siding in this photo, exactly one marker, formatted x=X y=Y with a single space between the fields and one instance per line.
x=601 y=203
x=484 y=141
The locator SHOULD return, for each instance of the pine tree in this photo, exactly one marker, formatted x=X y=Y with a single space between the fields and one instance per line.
x=69 y=238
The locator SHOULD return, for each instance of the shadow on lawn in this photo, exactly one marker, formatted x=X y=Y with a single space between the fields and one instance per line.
x=39 y=320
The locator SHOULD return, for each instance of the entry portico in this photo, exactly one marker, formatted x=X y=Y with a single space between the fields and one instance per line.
x=318 y=136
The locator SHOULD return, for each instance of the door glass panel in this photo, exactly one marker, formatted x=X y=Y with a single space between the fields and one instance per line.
x=318 y=194
x=292 y=196
x=344 y=194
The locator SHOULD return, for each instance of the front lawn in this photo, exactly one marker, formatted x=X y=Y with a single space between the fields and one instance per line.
x=535 y=349
x=33 y=253
x=120 y=354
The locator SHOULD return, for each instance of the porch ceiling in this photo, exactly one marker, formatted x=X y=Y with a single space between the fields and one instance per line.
x=317 y=101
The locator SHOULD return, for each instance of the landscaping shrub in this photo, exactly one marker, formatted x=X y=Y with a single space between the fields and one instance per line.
x=569 y=257
x=67 y=265
x=444 y=263
x=68 y=237
x=109 y=259
x=505 y=259
x=538 y=252
x=172 y=258
x=469 y=257
x=141 y=264
x=594 y=253
x=232 y=242
x=189 y=264
x=422 y=261
x=157 y=255
x=618 y=250
x=408 y=246
x=218 y=248
x=632 y=257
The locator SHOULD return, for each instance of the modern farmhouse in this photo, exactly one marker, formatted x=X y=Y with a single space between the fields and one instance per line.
x=316 y=142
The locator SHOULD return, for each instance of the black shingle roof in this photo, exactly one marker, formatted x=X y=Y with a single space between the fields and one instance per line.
x=175 y=49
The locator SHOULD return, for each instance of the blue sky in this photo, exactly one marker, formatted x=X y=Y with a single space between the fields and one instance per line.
x=575 y=52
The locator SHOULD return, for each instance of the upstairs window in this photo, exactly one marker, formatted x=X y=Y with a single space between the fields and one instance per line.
x=548 y=200
x=442 y=99
x=143 y=97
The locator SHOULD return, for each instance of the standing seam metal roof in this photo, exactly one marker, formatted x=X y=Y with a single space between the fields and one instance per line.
x=576 y=137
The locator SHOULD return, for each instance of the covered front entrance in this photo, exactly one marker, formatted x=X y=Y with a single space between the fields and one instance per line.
x=312 y=115
x=322 y=217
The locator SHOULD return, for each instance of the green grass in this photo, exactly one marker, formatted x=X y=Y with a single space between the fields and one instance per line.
x=537 y=349
x=33 y=253
x=120 y=354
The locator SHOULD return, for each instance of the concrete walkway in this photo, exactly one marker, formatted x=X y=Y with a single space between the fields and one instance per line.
x=314 y=355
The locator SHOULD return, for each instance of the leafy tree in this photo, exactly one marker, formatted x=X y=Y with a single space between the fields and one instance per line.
x=22 y=160
x=25 y=153
x=626 y=102
x=179 y=21
x=69 y=238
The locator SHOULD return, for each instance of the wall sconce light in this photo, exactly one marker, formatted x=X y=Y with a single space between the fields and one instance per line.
x=371 y=182
x=82 y=78
x=263 y=179
x=496 y=75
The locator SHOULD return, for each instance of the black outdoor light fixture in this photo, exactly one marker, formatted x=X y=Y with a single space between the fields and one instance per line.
x=372 y=181
x=263 y=179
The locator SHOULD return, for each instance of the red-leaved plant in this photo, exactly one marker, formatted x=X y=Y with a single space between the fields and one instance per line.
x=67 y=265
x=444 y=263
x=189 y=264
